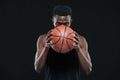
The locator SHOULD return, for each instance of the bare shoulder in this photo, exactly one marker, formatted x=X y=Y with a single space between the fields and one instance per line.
x=82 y=38
x=41 y=37
x=40 y=40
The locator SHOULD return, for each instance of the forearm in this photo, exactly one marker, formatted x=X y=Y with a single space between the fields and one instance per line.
x=85 y=61
x=41 y=59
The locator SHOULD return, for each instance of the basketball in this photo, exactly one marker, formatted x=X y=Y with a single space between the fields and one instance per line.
x=62 y=39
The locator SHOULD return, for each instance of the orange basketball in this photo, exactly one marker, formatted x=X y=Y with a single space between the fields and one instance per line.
x=62 y=39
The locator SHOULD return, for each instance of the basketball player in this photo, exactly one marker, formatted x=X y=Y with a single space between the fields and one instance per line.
x=55 y=66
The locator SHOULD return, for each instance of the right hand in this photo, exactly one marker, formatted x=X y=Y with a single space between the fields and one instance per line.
x=47 y=41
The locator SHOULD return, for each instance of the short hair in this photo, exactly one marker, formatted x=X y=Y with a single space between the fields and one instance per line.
x=62 y=10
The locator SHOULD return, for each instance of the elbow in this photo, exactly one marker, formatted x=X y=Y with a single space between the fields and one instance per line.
x=37 y=68
x=89 y=70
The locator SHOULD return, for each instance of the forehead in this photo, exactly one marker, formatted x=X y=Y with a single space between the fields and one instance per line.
x=59 y=18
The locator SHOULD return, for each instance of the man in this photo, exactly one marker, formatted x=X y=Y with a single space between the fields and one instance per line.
x=54 y=66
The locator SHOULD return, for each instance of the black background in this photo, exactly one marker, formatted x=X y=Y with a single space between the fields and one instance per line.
x=22 y=21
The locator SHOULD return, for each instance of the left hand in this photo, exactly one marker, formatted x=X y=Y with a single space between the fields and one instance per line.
x=76 y=41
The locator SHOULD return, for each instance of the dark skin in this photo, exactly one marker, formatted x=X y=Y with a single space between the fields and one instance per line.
x=80 y=45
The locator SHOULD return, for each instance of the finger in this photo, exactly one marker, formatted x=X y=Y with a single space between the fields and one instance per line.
x=49 y=44
x=76 y=41
x=49 y=39
x=76 y=37
x=74 y=44
x=76 y=34
x=49 y=35
x=50 y=31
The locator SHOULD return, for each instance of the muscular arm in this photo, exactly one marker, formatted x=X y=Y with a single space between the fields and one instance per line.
x=83 y=55
x=41 y=54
